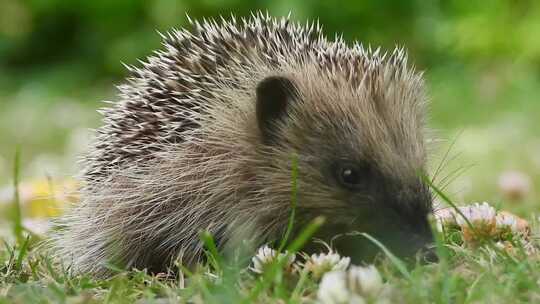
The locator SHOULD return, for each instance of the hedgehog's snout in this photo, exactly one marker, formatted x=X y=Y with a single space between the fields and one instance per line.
x=428 y=254
x=400 y=223
x=411 y=234
x=410 y=242
x=418 y=246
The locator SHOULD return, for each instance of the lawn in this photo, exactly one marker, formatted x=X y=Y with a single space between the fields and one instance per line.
x=484 y=257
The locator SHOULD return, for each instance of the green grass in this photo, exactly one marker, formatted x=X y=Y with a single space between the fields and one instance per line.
x=16 y=216
x=464 y=275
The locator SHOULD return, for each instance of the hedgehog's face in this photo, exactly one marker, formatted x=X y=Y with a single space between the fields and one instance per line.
x=361 y=157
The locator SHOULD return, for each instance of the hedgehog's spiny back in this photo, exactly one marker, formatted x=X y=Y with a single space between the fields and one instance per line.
x=164 y=97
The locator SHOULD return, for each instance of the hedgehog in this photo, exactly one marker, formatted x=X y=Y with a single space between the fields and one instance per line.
x=207 y=131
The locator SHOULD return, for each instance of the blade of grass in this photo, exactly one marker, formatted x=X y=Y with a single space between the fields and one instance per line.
x=306 y=234
x=294 y=200
x=11 y=254
x=16 y=213
x=394 y=259
x=445 y=157
x=296 y=294
x=212 y=252
x=52 y=271
x=472 y=288
x=8 y=248
x=34 y=268
x=441 y=249
x=448 y=201
x=22 y=252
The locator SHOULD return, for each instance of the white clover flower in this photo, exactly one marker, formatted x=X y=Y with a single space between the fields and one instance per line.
x=445 y=217
x=505 y=220
x=356 y=299
x=333 y=288
x=477 y=214
x=266 y=256
x=319 y=264
x=481 y=217
x=357 y=285
x=365 y=280
x=486 y=224
x=508 y=221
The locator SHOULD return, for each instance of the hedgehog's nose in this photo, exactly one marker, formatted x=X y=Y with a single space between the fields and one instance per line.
x=428 y=254
x=415 y=244
x=424 y=255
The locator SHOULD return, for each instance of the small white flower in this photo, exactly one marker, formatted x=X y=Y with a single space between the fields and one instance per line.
x=445 y=217
x=365 y=280
x=357 y=285
x=333 y=288
x=477 y=214
x=517 y=225
x=266 y=255
x=505 y=220
x=356 y=299
x=319 y=264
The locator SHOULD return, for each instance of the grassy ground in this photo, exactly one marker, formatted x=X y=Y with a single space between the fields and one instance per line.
x=467 y=272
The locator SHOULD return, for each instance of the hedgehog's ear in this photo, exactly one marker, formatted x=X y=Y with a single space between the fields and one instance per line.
x=274 y=94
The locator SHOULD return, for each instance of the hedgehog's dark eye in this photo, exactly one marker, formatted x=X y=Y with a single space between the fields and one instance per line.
x=349 y=175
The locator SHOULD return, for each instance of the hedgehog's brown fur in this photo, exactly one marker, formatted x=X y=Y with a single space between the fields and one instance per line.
x=182 y=152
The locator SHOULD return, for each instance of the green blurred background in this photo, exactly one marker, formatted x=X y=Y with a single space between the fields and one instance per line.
x=60 y=58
